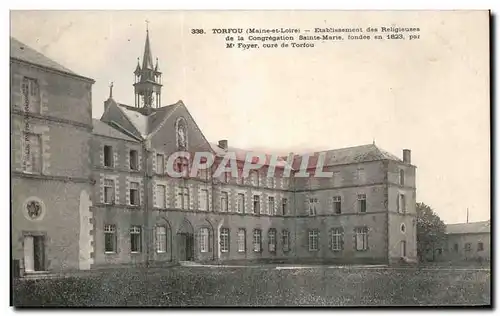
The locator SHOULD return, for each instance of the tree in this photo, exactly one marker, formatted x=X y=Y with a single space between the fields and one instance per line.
x=430 y=231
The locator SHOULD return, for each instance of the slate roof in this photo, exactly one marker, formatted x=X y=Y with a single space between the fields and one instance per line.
x=357 y=154
x=241 y=155
x=21 y=51
x=469 y=228
x=146 y=124
x=103 y=129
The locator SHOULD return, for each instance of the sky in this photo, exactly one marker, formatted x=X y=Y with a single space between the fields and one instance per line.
x=429 y=95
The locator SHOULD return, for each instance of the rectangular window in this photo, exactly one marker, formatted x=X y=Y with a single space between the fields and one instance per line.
x=203 y=174
x=184 y=198
x=241 y=240
x=241 y=203
x=336 y=242
x=468 y=246
x=271 y=210
x=134 y=160
x=455 y=247
x=31 y=95
x=337 y=205
x=109 y=238
x=271 y=235
x=402 y=203
x=284 y=206
x=241 y=179
x=182 y=166
x=256 y=204
x=226 y=177
x=204 y=239
x=134 y=193
x=285 y=182
x=224 y=239
x=362 y=203
x=337 y=181
x=285 y=234
x=271 y=182
x=257 y=240
x=204 y=200
x=401 y=177
x=108 y=156
x=33 y=153
x=160 y=196
x=135 y=239
x=361 y=177
x=224 y=203
x=361 y=238
x=160 y=164
x=313 y=240
x=109 y=191
x=480 y=246
x=254 y=178
x=161 y=239
x=312 y=206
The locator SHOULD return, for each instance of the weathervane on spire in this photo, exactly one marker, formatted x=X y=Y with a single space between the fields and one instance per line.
x=147 y=25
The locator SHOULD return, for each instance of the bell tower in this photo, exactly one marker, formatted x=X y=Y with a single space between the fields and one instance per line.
x=147 y=79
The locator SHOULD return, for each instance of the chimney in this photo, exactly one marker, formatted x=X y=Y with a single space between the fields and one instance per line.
x=223 y=144
x=407 y=156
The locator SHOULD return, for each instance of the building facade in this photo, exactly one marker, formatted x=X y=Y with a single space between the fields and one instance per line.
x=467 y=242
x=136 y=213
x=51 y=132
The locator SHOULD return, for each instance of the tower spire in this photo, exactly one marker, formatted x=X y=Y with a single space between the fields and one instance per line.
x=147 y=59
x=147 y=85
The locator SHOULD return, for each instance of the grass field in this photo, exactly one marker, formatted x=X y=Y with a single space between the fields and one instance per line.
x=262 y=286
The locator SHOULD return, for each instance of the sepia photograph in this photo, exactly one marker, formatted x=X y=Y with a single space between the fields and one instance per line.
x=250 y=158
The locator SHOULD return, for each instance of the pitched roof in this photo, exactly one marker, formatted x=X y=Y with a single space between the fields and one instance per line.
x=23 y=52
x=357 y=154
x=143 y=122
x=242 y=155
x=103 y=129
x=469 y=228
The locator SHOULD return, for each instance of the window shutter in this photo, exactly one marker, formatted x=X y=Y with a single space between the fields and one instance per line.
x=367 y=233
x=341 y=238
x=397 y=203
x=355 y=239
x=17 y=91
x=228 y=240
x=210 y=233
x=44 y=97
x=330 y=239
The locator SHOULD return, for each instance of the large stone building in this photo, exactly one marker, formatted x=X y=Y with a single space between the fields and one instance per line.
x=104 y=196
x=51 y=133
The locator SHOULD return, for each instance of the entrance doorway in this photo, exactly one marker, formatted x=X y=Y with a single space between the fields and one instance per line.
x=34 y=253
x=186 y=247
x=403 y=248
x=185 y=242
